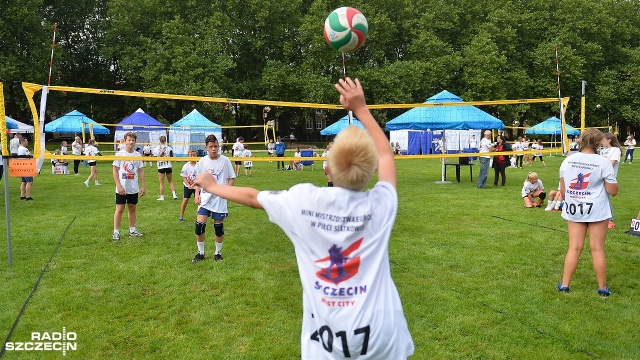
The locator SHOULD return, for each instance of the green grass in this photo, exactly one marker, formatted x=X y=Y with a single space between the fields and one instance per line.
x=476 y=273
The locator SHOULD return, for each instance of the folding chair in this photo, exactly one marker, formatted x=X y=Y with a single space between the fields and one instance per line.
x=307 y=153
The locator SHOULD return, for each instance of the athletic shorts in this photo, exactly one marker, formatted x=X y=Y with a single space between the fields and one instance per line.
x=213 y=215
x=238 y=162
x=537 y=156
x=126 y=199
x=186 y=193
x=270 y=152
x=91 y=163
x=27 y=179
x=165 y=171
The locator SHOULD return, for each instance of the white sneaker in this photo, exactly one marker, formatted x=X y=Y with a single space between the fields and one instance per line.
x=161 y=198
x=86 y=183
x=175 y=197
x=135 y=233
x=116 y=236
x=98 y=184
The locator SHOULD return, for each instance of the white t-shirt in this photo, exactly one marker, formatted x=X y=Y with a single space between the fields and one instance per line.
x=189 y=173
x=76 y=148
x=238 y=148
x=537 y=147
x=585 y=197
x=247 y=153
x=91 y=150
x=14 y=144
x=473 y=143
x=630 y=144
x=22 y=151
x=517 y=146
x=163 y=151
x=612 y=153
x=341 y=239
x=222 y=171
x=63 y=150
x=485 y=144
x=146 y=150
x=128 y=171
x=529 y=187
x=325 y=154
x=270 y=147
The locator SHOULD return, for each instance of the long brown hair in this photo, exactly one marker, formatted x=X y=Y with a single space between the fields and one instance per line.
x=591 y=138
x=613 y=138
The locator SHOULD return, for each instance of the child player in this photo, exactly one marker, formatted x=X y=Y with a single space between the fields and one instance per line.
x=341 y=235
x=126 y=174
x=247 y=164
x=209 y=204
x=188 y=174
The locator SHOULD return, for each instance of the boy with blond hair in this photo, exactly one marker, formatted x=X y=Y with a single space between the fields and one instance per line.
x=341 y=235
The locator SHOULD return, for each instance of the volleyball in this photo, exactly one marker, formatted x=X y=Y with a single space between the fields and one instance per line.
x=345 y=29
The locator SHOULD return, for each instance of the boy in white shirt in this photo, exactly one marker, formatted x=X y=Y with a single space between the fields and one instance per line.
x=238 y=148
x=125 y=175
x=209 y=204
x=341 y=236
x=188 y=174
x=247 y=164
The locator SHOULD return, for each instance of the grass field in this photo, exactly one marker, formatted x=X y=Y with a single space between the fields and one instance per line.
x=475 y=270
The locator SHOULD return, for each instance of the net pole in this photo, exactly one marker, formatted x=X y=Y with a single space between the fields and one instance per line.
x=53 y=45
x=344 y=75
x=563 y=137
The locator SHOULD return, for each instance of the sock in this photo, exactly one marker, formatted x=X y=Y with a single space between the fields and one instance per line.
x=132 y=229
x=116 y=231
x=218 y=247
x=174 y=194
x=557 y=205
x=550 y=205
x=200 y=247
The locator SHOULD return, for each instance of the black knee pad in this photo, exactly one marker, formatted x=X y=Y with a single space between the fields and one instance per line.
x=543 y=195
x=219 y=228
x=200 y=227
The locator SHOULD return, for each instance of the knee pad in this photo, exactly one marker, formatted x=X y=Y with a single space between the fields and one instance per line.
x=200 y=227
x=219 y=228
x=543 y=195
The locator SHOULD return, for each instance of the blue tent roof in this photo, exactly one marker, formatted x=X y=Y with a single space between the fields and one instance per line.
x=141 y=118
x=11 y=124
x=337 y=126
x=551 y=126
x=445 y=117
x=74 y=122
x=195 y=122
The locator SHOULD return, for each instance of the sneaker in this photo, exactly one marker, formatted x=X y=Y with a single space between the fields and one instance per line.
x=611 y=225
x=76 y=174
x=217 y=257
x=175 y=197
x=29 y=198
x=161 y=198
x=604 y=292
x=86 y=183
x=135 y=233
x=180 y=219
x=22 y=197
x=197 y=258
x=116 y=237
x=562 y=288
x=98 y=184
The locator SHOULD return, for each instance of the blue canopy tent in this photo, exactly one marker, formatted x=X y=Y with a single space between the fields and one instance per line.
x=11 y=124
x=337 y=126
x=464 y=117
x=75 y=122
x=551 y=126
x=445 y=117
x=146 y=128
x=190 y=132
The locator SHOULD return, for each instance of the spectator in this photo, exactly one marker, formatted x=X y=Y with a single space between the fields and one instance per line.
x=500 y=161
x=280 y=148
x=610 y=149
x=27 y=181
x=14 y=144
x=325 y=165
x=630 y=145
x=485 y=147
x=76 y=150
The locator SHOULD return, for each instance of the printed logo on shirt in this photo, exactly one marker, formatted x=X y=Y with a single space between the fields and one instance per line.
x=580 y=183
x=128 y=168
x=340 y=267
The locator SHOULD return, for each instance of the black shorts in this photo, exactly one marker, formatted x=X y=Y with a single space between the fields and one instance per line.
x=91 y=163
x=238 y=162
x=537 y=156
x=186 y=193
x=165 y=171
x=126 y=199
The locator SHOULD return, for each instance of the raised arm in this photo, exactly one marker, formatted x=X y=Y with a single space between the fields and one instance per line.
x=242 y=195
x=352 y=98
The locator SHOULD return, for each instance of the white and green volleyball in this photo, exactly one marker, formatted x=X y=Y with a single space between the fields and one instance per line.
x=345 y=29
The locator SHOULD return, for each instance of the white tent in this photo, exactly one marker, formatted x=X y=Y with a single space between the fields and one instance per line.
x=190 y=132
x=22 y=127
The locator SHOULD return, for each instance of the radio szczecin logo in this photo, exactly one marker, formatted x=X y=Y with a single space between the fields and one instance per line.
x=46 y=341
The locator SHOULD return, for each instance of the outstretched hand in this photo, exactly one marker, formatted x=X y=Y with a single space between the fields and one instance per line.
x=351 y=94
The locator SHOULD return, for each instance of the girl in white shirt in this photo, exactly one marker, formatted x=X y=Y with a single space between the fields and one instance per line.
x=586 y=180
x=611 y=150
x=532 y=189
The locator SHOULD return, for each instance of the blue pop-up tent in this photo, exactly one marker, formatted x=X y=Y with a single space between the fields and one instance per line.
x=11 y=124
x=75 y=122
x=337 y=126
x=551 y=126
x=190 y=132
x=462 y=117
x=146 y=128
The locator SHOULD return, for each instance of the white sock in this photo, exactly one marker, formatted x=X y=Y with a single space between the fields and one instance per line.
x=174 y=194
x=550 y=205
x=218 y=247
x=201 y=247
x=132 y=229
x=557 y=205
x=116 y=231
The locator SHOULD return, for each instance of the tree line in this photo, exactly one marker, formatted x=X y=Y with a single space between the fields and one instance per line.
x=275 y=50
